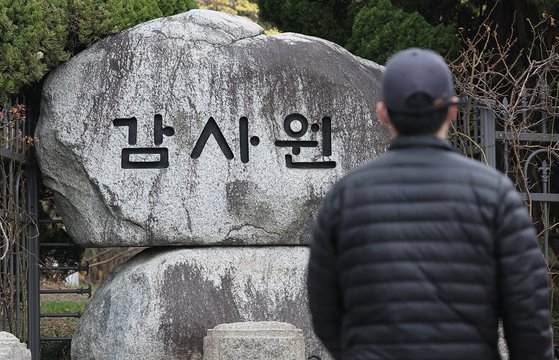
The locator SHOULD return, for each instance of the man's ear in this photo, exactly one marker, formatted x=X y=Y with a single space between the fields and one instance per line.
x=383 y=114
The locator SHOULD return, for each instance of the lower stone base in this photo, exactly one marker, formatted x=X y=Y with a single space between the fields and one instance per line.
x=160 y=304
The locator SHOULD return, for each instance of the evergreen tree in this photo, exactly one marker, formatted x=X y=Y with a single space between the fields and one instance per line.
x=245 y=8
x=334 y=20
x=380 y=29
x=38 y=35
x=171 y=7
x=328 y=19
x=32 y=40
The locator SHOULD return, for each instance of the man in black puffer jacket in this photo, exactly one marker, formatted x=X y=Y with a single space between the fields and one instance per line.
x=418 y=254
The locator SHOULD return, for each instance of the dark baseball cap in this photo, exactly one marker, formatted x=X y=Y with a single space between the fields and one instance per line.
x=413 y=72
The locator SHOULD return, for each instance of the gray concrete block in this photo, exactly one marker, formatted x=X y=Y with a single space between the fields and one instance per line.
x=254 y=341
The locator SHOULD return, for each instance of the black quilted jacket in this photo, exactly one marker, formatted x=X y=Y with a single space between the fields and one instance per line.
x=419 y=253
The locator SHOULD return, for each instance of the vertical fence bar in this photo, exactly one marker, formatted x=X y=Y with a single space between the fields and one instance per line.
x=33 y=238
x=487 y=120
x=15 y=300
x=475 y=124
x=19 y=303
x=5 y=301
x=506 y=157
x=544 y=171
x=33 y=281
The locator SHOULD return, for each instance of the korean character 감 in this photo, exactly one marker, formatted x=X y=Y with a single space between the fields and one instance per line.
x=158 y=132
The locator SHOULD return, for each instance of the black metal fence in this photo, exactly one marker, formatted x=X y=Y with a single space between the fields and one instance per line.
x=19 y=277
x=483 y=131
x=20 y=262
x=525 y=149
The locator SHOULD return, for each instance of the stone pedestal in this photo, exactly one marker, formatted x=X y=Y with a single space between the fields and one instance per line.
x=160 y=304
x=254 y=341
x=12 y=349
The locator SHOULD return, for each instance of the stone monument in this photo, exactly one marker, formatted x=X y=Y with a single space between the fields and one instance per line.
x=198 y=129
x=201 y=131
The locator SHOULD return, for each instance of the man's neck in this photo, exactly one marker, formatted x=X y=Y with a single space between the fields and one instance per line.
x=443 y=132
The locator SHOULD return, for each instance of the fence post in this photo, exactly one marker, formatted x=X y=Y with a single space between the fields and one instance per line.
x=33 y=282
x=487 y=119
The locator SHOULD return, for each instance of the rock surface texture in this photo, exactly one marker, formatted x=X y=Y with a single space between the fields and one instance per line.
x=12 y=349
x=503 y=348
x=198 y=129
x=262 y=340
x=160 y=304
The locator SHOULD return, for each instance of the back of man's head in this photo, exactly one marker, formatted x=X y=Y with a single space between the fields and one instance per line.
x=417 y=91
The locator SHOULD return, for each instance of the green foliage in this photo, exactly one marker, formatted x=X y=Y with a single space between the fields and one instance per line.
x=171 y=7
x=380 y=29
x=59 y=350
x=328 y=19
x=244 y=8
x=372 y=29
x=95 y=19
x=550 y=6
x=38 y=35
x=399 y=23
x=440 y=12
x=32 y=40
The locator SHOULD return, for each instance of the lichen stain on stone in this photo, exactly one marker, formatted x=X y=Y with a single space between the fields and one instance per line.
x=105 y=312
x=243 y=202
x=290 y=307
x=184 y=322
x=300 y=231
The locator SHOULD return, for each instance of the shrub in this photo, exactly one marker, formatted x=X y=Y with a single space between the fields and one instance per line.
x=33 y=34
x=380 y=29
x=328 y=19
x=38 y=35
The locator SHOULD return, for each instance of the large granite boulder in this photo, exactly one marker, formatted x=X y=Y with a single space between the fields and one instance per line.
x=198 y=129
x=160 y=304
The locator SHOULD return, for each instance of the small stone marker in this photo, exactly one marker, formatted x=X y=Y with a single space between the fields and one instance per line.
x=12 y=349
x=254 y=341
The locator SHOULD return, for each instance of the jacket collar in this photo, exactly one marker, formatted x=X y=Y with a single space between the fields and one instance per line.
x=402 y=142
